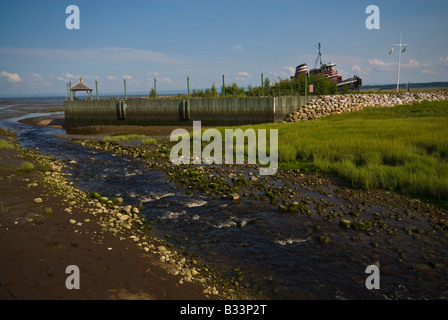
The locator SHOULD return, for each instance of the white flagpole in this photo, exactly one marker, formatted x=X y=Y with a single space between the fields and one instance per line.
x=399 y=60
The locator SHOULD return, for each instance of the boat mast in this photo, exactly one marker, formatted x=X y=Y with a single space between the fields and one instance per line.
x=319 y=57
x=399 y=60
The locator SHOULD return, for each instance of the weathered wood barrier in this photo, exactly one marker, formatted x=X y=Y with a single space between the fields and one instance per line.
x=180 y=112
x=226 y=111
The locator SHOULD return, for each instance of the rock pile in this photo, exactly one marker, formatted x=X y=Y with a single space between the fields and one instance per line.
x=326 y=105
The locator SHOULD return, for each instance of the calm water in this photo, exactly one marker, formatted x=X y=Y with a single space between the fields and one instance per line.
x=276 y=252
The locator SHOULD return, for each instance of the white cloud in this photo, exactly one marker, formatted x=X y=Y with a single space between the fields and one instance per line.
x=412 y=63
x=428 y=71
x=68 y=75
x=37 y=76
x=113 y=54
x=285 y=73
x=344 y=73
x=244 y=74
x=128 y=77
x=238 y=48
x=356 y=68
x=165 y=80
x=11 y=77
x=37 y=80
x=444 y=60
x=291 y=70
x=111 y=78
x=388 y=66
x=379 y=63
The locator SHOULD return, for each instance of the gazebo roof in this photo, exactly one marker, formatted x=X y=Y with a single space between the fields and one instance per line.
x=80 y=86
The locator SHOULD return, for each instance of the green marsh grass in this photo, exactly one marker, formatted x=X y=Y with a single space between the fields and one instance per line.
x=148 y=141
x=6 y=145
x=3 y=208
x=124 y=137
x=404 y=148
x=26 y=166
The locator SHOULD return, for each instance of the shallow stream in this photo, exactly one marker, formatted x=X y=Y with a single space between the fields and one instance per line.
x=277 y=253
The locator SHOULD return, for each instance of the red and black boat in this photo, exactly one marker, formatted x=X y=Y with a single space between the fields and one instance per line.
x=329 y=71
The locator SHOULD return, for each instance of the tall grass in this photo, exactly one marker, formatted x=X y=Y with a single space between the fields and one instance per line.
x=3 y=208
x=5 y=144
x=127 y=137
x=124 y=137
x=404 y=148
x=148 y=141
x=26 y=166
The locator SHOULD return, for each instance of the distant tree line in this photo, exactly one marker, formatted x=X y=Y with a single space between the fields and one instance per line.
x=294 y=86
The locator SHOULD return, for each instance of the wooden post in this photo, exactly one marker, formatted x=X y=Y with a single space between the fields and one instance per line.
x=125 y=95
x=155 y=87
x=223 y=87
x=262 y=85
x=96 y=86
x=188 y=87
x=305 y=86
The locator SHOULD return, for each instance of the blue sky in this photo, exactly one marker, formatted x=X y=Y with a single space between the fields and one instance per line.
x=170 y=40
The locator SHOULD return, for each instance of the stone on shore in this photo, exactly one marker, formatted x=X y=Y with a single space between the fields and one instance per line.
x=337 y=104
x=345 y=223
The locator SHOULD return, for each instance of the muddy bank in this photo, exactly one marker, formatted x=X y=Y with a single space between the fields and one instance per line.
x=19 y=107
x=57 y=121
x=52 y=121
x=48 y=225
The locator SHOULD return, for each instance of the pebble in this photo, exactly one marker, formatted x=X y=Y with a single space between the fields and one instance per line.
x=235 y=196
x=124 y=217
x=37 y=200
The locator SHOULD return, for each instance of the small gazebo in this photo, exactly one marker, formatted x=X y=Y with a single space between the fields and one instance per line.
x=82 y=87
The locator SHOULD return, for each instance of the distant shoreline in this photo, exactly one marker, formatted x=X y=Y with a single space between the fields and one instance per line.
x=403 y=86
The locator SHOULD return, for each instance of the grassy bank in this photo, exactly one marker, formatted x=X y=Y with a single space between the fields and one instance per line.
x=404 y=148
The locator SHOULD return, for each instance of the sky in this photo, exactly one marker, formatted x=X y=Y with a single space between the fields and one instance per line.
x=169 y=41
